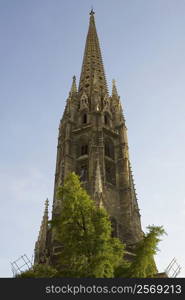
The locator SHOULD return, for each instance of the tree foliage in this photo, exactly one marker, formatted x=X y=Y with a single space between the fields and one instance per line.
x=84 y=231
x=143 y=265
x=39 y=271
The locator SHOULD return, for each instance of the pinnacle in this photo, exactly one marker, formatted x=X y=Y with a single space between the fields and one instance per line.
x=114 y=89
x=73 y=87
x=98 y=186
x=98 y=181
x=46 y=206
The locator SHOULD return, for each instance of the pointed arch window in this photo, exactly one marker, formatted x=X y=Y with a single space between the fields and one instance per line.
x=106 y=119
x=110 y=172
x=84 y=118
x=82 y=146
x=84 y=149
x=109 y=148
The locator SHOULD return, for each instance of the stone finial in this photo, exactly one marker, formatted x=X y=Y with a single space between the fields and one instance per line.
x=73 y=87
x=46 y=205
x=92 y=12
x=114 y=89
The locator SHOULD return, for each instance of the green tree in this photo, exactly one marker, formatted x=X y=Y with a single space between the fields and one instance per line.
x=143 y=265
x=39 y=271
x=87 y=249
x=84 y=231
x=123 y=269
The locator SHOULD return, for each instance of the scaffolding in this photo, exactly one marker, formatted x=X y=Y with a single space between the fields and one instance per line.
x=173 y=269
x=23 y=263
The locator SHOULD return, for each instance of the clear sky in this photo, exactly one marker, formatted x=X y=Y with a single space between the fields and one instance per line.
x=41 y=48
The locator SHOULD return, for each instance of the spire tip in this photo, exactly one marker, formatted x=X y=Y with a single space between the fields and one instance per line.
x=92 y=12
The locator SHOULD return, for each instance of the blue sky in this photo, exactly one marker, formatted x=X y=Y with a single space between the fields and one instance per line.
x=41 y=48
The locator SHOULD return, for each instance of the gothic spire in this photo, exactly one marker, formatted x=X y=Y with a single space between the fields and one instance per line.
x=92 y=61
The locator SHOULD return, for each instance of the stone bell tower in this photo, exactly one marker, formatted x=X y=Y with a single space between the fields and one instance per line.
x=93 y=143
